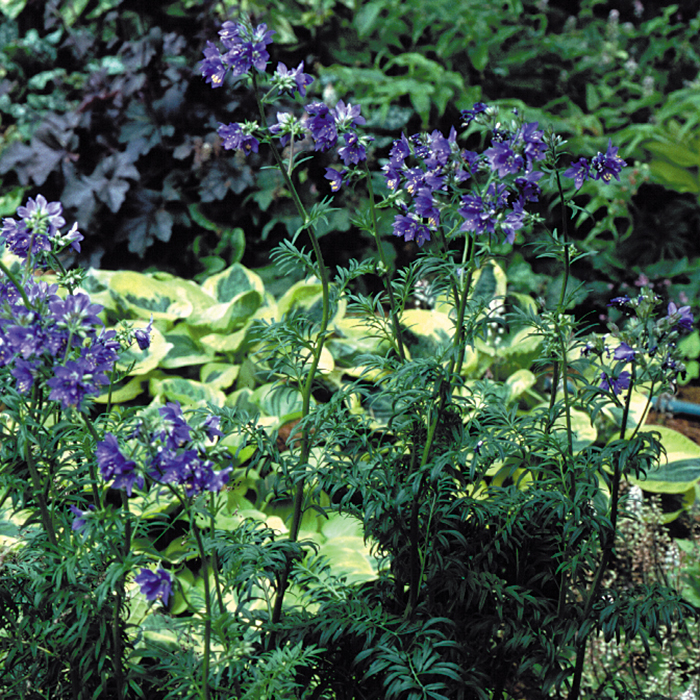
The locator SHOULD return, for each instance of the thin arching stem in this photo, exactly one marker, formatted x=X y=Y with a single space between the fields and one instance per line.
x=305 y=449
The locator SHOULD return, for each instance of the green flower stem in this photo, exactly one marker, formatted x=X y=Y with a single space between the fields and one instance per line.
x=607 y=548
x=468 y=262
x=117 y=645
x=39 y=491
x=305 y=450
x=561 y=369
x=443 y=390
x=385 y=268
x=215 y=568
x=204 y=693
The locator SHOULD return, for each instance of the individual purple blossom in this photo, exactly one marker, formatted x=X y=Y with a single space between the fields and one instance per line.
x=79 y=521
x=287 y=126
x=335 y=177
x=102 y=354
x=578 y=172
x=236 y=137
x=534 y=146
x=513 y=221
x=73 y=237
x=353 y=152
x=143 y=335
x=415 y=178
x=247 y=50
x=230 y=32
x=615 y=384
x=347 y=116
x=680 y=317
x=179 y=432
x=25 y=372
x=22 y=241
x=197 y=475
x=113 y=465
x=440 y=149
x=213 y=67
x=481 y=214
x=503 y=159
x=73 y=382
x=41 y=216
x=29 y=340
x=619 y=301
x=211 y=425
x=400 y=150
x=425 y=206
x=528 y=187
x=76 y=313
x=392 y=174
x=155 y=584
x=624 y=352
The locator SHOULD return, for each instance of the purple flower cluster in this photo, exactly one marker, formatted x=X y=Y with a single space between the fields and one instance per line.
x=427 y=167
x=603 y=166
x=55 y=342
x=60 y=342
x=168 y=454
x=38 y=229
x=291 y=80
x=245 y=48
x=648 y=347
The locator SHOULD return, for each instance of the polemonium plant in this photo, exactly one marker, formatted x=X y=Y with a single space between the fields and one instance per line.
x=493 y=521
x=484 y=581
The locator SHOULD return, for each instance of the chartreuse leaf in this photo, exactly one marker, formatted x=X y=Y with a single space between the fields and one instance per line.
x=426 y=333
x=681 y=469
x=228 y=316
x=219 y=375
x=346 y=550
x=143 y=295
x=519 y=382
x=279 y=400
x=639 y=407
x=97 y=284
x=225 y=342
x=12 y=8
x=352 y=338
x=229 y=284
x=199 y=298
x=307 y=296
x=185 y=349
x=186 y=391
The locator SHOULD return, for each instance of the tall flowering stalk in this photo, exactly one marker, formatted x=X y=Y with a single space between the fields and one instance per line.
x=57 y=353
x=245 y=51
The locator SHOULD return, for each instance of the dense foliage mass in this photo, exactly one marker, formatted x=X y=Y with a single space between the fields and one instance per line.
x=397 y=467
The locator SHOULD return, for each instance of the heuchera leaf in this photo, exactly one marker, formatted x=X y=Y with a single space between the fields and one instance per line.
x=52 y=143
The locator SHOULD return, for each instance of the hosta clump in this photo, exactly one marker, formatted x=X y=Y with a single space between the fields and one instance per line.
x=495 y=526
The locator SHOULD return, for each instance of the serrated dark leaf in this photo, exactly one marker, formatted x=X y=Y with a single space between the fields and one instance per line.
x=223 y=177
x=53 y=141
